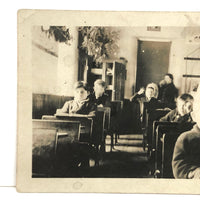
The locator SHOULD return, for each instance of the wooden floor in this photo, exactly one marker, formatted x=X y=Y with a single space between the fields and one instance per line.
x=127 y=159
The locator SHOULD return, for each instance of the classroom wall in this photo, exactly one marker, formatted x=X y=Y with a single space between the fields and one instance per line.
x=180 y=47
x=56 y=73
x=44 y=62
x=54 y=64
x=67 y=73
x=128 y=50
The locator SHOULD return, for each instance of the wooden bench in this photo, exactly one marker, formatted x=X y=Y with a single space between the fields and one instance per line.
x=166 y=134
x=150 y=127
x=106 y=127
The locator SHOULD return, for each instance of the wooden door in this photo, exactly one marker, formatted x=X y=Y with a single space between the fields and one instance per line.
x=152 y=62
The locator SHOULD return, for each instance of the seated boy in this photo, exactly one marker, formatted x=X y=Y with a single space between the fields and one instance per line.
x=99 y=97
x=186 y=156
x=183 y=110
x=81 y=103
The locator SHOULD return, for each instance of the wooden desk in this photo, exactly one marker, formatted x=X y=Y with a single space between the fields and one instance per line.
x=92 y=127
x=48 y=137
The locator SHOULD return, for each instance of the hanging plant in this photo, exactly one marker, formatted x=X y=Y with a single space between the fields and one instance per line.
x=59 y=33
x=100 y=42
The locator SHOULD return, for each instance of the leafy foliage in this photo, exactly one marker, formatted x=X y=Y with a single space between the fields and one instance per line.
x=60 y=33
x=100 y=42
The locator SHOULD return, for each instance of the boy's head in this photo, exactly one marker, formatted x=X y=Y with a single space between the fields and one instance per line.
x=80 y=90
x=99 y=87
x=151 y=91
x=185 y=104
x=168 y=78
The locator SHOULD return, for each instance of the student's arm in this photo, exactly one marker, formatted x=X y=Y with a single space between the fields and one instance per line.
x=166 y=118
x=138 y=94
x=64 y=109
x=178 y=162
x=134 y=97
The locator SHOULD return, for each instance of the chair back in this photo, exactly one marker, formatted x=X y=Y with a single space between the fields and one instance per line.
x=107 y=111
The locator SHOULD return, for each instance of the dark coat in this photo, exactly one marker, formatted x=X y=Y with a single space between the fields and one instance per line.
x=139 y=107
x=173 y=116
x=104 y=100
x=151 y=105
x=167 y=95
x=186 y=157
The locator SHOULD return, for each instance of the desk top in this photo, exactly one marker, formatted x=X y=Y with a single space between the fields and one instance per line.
x=73 y=115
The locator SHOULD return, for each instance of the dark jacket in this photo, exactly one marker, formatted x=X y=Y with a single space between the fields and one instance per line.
x=104 y=99
x=149 y=105
x=140 y=107
x=173 y=116
x=186 y=157
x=167 y=95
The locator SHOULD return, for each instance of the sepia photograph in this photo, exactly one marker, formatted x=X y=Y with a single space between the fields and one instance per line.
x=108 y=102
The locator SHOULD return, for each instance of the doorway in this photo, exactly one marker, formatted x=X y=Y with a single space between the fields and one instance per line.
x=152 y=62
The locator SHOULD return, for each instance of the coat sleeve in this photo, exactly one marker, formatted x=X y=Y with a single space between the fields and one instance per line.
x=179 y=165
x=167 y=117
x=135 y=97
x=65 y=108
x=181 y=162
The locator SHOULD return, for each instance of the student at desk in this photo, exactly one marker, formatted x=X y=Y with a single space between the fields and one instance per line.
x=186 y=157
x=81 y=103
x=182 y=112
x=99 y=96
x=146 y=97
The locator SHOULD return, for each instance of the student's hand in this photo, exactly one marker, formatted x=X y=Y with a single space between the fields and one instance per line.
x=141 y=91
x=167 y=109
x=100 y=105
x=195 y=174
x=162 y=82
x=58 y=111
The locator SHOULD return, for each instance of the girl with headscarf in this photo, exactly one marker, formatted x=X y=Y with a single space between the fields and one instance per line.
x=147 y=98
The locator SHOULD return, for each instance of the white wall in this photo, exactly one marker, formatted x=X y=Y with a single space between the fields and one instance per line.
x=179 y=49
x=44 y=65
x=67 y=73
x=57 y=75
x=51 y=74
x=128 y=50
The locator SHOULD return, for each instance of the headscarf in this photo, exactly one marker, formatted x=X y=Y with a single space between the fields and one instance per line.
x=155 y=89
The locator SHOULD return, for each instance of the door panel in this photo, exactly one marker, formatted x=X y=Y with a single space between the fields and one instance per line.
x=152 y=62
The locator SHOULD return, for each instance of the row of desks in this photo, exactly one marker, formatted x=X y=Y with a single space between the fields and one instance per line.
x=66 y=139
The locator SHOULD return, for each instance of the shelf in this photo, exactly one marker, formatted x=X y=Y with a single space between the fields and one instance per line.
x=109 y=87
x=191 y=58
x=97 y=71
x=109 y=73
x=191 y=76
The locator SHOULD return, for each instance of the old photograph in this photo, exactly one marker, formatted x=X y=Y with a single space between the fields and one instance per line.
x=108 y=102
